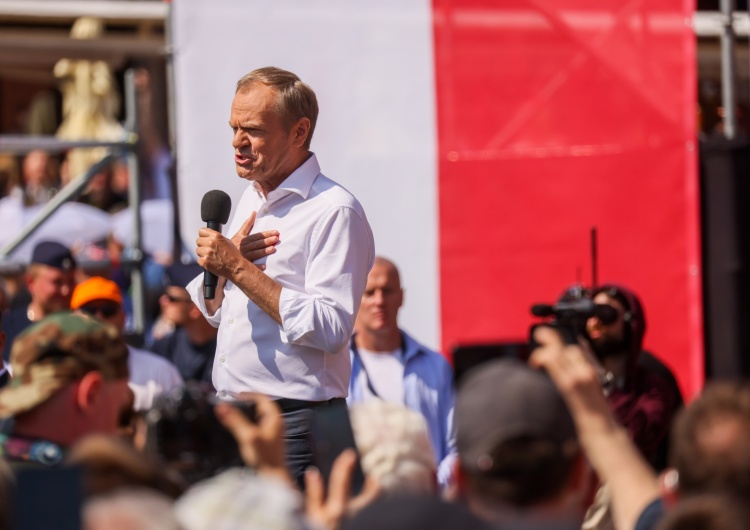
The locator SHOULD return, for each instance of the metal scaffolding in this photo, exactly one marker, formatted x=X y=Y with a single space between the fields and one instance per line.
x=127 y=147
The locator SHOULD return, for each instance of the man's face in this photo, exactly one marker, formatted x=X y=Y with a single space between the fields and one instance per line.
x=607 y=334
x=176 y=305
x=51 y=288
x=382 y=299
x=263 y=147
x=105 y=311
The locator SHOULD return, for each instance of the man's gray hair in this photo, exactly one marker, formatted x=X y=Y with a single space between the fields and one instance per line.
x=295 y=99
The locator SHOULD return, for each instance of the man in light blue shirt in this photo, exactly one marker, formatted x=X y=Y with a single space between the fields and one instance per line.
x=388 y=364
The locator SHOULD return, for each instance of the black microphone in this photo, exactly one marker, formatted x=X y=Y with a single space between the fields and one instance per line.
x=215 y=208
x=542 y=310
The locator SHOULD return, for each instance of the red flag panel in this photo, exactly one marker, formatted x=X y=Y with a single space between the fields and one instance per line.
x=554 y=117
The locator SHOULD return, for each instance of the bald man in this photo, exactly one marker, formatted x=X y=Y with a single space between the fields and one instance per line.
x=388 y=364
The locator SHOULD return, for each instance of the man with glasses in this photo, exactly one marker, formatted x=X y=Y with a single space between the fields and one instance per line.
x=150 y=374
x=192 y=344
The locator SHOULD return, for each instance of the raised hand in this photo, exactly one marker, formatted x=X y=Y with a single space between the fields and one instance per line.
x=261 y=443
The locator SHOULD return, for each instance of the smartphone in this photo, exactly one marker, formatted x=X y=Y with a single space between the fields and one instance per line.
x=332 y=434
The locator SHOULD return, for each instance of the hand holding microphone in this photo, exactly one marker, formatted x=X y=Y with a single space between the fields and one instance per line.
x=215 y=208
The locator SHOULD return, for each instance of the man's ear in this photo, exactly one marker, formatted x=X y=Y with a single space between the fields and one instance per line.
x=300 y=131
x=28 y=279
x=89 y=390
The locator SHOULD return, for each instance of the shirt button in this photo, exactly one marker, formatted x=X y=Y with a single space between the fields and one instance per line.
x=221 y=358
x=223 y=394
x=231 y=321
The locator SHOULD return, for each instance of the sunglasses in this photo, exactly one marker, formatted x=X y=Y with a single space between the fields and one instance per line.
x=175 y=299
x=105 y=310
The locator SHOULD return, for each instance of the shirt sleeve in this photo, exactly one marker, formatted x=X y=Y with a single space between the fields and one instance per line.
x=447 y=407
x=195 y=289
x=340 y=257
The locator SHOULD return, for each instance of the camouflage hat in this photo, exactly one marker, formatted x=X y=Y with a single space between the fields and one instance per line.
x=57 y=350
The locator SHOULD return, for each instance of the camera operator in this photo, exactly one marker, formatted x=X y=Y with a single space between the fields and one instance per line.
x=644 y=397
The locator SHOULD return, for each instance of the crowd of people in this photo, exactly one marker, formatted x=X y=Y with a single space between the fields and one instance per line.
x=291 y=397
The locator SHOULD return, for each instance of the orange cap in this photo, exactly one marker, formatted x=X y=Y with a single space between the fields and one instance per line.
x=95 y=288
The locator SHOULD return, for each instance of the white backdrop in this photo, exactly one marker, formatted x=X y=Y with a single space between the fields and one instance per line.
x=371 y=66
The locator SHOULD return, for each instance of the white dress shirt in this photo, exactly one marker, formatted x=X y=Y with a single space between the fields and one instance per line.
x=324 y=254
x=150 y=376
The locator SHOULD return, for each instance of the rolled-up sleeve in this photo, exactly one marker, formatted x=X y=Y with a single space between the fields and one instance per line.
x=341 y=254
x=195 y=289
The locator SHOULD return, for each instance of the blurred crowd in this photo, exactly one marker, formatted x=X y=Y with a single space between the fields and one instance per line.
x=582 y=433
x=104 y=429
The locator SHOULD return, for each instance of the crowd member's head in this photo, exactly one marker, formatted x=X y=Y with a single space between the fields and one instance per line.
x=70 y=379
x=40 y=176
x=176 y=305
x=132 y=509
x=101 y=299
x=709 y=444
x=517 y=445
x=109 y=464
x=710 y=511
x=394 y=447
x=234 y=500
x=272 y=118
x=381 y=301
x=50 y=279
x=624 y=336
x=411 y=512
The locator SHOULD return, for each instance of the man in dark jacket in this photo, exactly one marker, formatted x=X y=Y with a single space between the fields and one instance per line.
x=645 y=396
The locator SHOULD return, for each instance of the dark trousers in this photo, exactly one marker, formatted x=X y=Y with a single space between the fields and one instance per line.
x=299 y=437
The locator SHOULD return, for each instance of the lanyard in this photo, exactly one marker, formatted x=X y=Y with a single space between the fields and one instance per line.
x=355 y=351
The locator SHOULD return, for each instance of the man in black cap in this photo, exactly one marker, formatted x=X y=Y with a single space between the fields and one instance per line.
x=520 y=461
x=50 y=280
x=192 y=344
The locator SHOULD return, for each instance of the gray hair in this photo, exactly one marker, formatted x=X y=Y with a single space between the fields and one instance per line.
x=294 y=100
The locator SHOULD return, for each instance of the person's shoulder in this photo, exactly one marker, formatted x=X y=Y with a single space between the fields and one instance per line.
x=150 y=360
x=164 y=346
x=414 y=347
x=334 y=194
x=15 y=318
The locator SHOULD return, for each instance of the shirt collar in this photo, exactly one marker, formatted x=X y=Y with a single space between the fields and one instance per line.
x=299 y=182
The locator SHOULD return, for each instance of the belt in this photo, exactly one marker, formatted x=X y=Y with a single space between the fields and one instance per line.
x=291 y=405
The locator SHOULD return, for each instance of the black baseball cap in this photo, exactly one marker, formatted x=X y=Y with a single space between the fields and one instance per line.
x=53 y=254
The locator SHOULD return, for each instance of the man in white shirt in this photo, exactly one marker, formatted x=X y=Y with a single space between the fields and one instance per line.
x=388 y=364
x=285 y=318
x=150 y=374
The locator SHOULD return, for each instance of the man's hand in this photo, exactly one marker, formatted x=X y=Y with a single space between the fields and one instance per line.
x=572 y=370
x=328 y=511
x=255 y=246
x=261 y=443
x=607 y=445
x=217 y=254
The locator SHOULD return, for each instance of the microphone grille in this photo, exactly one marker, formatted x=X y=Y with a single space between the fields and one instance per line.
x=216 y=206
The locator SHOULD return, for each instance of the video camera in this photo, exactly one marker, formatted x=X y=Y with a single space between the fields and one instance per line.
x=569 y=315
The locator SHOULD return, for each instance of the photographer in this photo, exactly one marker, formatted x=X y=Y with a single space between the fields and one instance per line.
x=644 y=396
x=614 y=457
